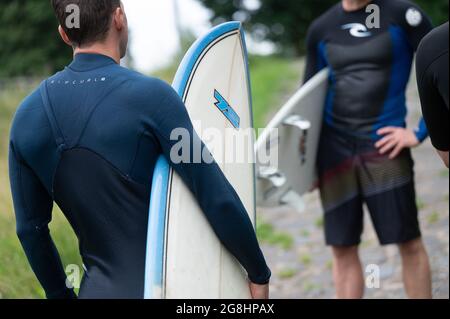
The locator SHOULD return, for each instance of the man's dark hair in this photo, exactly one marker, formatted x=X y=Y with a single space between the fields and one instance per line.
x=95 y=19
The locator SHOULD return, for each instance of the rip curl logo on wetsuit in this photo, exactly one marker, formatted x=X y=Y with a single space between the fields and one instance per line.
x=82 y=81
x=414 y=17
x=357 y=30
x=227 y=110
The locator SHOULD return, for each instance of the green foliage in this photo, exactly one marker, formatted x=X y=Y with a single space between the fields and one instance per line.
x=421 y=205
x=444 y=173
x=273 y=78
x=287 y=273
x=433 y=218
x=283 y=22
x=309 y=287
x=286 y=22
x=306 y=260
x=268 y=234
x=436 y=9
x=30 y=42
x=320 y=222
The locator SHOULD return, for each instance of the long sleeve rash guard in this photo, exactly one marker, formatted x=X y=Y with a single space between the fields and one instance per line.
x=370 y=64
x=432 y=79
x=88 y=140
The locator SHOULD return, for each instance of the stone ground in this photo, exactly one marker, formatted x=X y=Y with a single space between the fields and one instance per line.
x=303 y=270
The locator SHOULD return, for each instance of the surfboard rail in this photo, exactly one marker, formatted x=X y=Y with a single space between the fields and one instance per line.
x=286 y=108
x=156 y=237
x=297 y=125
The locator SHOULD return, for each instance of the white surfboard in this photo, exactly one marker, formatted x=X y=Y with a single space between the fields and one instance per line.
x=293 y=135
x=185 y=260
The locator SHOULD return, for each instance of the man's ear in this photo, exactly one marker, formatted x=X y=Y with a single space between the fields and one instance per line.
x=119 y=18
x=64 y=36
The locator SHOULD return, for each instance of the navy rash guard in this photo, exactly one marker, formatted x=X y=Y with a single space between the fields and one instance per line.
x=433 y=82
x=370 y=67
x=88 y=140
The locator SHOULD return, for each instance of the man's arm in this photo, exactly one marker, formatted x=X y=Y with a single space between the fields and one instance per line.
x=435 y=112
x=215 y=195
x=432 y=61
x=33 y=209
x=417 y=25
x=315 y=59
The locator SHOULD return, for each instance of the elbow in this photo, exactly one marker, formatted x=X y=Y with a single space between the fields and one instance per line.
x=262 y=278
x=23 y=234
x=27 y=233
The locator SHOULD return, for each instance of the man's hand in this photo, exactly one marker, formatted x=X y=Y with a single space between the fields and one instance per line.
x=259 y=291
x=395 y=140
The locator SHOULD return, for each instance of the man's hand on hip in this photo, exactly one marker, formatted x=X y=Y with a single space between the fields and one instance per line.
x=395 y=140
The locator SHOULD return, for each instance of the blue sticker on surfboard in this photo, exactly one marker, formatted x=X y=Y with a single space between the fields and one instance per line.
x=227 y=110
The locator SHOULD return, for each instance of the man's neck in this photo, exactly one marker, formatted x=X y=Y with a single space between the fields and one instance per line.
x=100 y=48
x=354 y=5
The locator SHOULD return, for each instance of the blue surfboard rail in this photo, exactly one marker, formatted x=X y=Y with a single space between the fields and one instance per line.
x=187 y=65
x=154 y=268
x=155 y=233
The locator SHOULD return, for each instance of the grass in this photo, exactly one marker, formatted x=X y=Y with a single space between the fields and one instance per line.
x=287 y=273
x=306 y=260
x=366 y=244
x=268 y=234
x=319 y=223
x=421 y=205
x=305 y=233
x=272 y=78
x=309 y=287
x=433 y=218
x=444 y=173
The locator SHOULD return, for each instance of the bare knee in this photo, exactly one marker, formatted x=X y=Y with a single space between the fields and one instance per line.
x=345 y=253
x=412 y=248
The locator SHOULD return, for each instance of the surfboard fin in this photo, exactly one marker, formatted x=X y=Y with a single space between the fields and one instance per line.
x=273 y=175
x=298 y=121
x=294 y=200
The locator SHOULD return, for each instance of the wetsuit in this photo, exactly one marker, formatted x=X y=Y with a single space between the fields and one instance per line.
x=432 y=78
x=370 y=69
x=88 y=140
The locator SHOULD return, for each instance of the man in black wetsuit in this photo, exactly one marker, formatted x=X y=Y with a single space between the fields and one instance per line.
x=88 y=139
x=364 y=154
x=432 y=79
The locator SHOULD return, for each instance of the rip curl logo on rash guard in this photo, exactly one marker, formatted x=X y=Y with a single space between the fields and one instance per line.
x=357 y=30
x=414 y=17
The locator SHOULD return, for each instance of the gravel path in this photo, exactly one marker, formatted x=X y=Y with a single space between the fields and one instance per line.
x=302 y=265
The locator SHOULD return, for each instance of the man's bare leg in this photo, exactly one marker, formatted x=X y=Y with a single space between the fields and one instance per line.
x=416 y=270
x=348 y=273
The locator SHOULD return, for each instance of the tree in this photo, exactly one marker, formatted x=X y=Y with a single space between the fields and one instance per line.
x=30 y=43
x=285 y=22
x=436 y=9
